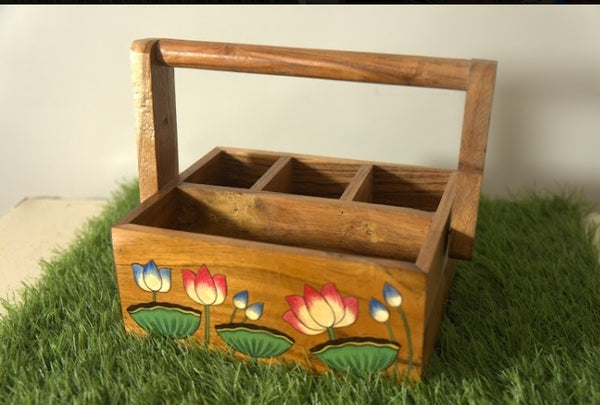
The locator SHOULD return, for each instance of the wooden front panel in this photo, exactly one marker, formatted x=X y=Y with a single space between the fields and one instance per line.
x=331 y=303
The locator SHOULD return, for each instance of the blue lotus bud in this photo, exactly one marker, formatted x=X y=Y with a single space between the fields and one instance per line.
x=254 y=311
x=240 y=300
x=378 y=311
x=392 y=296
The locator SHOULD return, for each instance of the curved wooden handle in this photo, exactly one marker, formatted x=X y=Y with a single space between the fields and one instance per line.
x=153 y=61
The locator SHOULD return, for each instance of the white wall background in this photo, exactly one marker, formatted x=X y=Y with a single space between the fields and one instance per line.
x=66 y=110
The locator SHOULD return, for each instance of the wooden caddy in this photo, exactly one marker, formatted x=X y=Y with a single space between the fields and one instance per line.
x=336 y=264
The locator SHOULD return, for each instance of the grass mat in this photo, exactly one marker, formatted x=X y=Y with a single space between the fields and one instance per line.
x=522 y=326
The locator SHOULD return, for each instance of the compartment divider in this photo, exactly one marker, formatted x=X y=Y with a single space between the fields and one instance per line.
x=278 y=178
x=361 y=186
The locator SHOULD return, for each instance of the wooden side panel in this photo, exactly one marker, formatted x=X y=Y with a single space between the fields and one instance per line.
x=478 y=107
x=296 y=287
x=433 y=260
x=156 y=121
x=439 y=301
x=434 y=254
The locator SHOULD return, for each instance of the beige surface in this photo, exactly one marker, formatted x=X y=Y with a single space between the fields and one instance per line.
x=35 y=229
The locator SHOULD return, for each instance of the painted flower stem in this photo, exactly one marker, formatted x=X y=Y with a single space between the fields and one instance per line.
x=408 y=340
x=331 y=333
x=244 y=319
x=206 y=290
x=233 y=314
x=154 y=296
x=206 y=325
x=389 y=328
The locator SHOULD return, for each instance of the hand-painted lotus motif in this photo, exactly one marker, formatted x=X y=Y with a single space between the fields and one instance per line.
x=394 y=299
x=206 y=290
x=313 y=313
x=359 y=355
x=381 y=314
x=317 y=312
x=392 y=296
x=378 y=311
x=165 y=319
x=149 y=278
x=254 y=340
x=254 y=311
x=240 y=300
x=169 y=320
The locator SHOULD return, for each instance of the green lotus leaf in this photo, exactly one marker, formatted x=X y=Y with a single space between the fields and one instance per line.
x=254 y=340
x=168 y=320
x=357 y=355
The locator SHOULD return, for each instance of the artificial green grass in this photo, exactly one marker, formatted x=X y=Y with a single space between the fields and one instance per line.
x=522 y=326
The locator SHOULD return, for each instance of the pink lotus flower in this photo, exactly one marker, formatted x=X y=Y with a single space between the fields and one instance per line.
x=204 y=288
x=317 y=312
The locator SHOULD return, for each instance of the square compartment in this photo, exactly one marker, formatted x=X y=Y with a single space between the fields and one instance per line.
x=229 y=168
x=311 y=177
x=405 y=186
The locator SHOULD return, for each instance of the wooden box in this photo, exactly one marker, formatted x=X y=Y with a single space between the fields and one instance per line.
x=337 y=264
